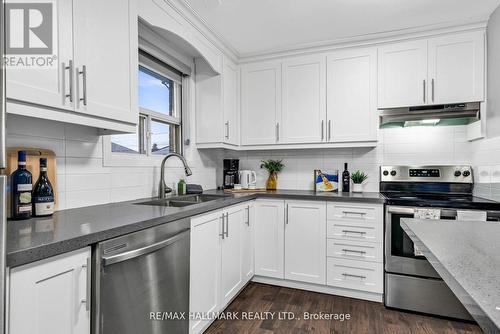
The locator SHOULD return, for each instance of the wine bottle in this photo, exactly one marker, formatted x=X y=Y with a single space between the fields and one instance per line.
x=346 y=179
x=43 y=193
x=21 y=183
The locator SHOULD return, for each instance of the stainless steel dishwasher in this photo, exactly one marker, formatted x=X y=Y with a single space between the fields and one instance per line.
x=140 y=274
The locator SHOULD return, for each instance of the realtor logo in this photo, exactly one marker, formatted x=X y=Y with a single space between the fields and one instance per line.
x=30 y=35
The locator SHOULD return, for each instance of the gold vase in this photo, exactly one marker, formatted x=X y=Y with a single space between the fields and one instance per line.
x=272 y=181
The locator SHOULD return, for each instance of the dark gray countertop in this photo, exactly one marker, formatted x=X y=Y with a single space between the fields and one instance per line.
x=466 y=256
x=68 y=230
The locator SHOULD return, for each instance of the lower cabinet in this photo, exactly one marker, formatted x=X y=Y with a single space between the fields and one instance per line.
x=51 y=295
x=221 y=261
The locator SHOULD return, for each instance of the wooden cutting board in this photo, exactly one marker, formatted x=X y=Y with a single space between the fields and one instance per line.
x=236 y=191
x=33 y=156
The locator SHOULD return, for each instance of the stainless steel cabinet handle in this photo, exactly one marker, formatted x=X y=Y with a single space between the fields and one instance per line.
x=361 y=253
x=88 y=282
x=70 y=79
x=432 y=85
x=329 y=129
x=424 y=90
x=277 y=131
x=108 y=260
x=322 y=130
x=248 y=215
x=83 y=73
x=353 y=232
x=356 y=276
x=227 y=129
x=227 y=225
x=286 y=214
x=353 y=213
x=223 y=234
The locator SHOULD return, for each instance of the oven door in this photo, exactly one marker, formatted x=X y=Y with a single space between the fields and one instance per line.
x=400 y=255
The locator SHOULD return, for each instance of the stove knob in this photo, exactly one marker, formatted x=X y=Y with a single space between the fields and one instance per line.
x=458 y=173
x=393 y=173
x=466 y=173
x=385 y=173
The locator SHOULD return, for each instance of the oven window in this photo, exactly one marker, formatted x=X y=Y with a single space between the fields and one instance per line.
x=401 y=244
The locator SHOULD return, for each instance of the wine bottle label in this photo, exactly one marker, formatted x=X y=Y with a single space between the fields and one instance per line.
x=44 y=208
x=25 y=187
x=25 y=198
x=23 y=208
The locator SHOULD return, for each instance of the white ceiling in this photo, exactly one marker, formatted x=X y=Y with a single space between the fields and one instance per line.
x=260 y=26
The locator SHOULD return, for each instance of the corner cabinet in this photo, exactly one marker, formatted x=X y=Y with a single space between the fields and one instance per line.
x=96 y=75
x=440 y=70
x=217 y=105
x=221 y=260
x=51 y=295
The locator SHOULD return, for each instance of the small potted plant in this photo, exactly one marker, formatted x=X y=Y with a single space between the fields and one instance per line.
x=273 y=167
x=358 y=177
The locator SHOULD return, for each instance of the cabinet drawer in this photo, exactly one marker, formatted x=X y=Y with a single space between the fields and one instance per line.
x=356 y=275
x=355 y=212
x=354 y=250
x=354 y=231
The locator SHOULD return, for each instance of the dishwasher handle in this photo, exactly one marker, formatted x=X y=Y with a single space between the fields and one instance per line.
x=108 y=260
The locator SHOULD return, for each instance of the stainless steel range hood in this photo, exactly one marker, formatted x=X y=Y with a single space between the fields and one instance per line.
x=468 y=112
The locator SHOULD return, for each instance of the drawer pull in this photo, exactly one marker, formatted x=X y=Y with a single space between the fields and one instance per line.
x=355 y=276
x=361 y=253
x=354 y=232
x=346 y=213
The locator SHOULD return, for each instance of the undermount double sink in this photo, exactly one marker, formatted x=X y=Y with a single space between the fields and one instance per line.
x=182 y=201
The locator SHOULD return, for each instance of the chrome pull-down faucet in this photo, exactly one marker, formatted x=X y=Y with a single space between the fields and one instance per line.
x=162 y=187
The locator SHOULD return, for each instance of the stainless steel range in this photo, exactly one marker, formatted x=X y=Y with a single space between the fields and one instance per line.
x=439 y=192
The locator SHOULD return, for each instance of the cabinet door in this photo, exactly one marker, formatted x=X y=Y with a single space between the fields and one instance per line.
x=402 y=74
x=456 y=68
x=204 y=267
x=305 y=241
x=352 y=95
x=231 y=278
x=269 y=238
x=247 y=264
x=105 y=35
x=303 y=113
x=231 y=110
x=260 y=103
x=52 y=294
x=48 y=87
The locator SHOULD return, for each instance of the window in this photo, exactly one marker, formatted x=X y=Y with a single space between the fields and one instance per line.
x=159 y=127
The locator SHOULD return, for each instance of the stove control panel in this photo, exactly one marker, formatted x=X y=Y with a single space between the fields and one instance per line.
x=449 y=174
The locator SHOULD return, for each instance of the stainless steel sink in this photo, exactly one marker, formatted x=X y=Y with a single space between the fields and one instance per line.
x=182 y=201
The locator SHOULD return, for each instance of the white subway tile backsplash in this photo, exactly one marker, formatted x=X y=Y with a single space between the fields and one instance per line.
x=77 y=182
x=76 y=199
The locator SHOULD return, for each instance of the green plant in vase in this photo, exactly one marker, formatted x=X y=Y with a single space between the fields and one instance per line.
x=273 y=167
x=358 y=177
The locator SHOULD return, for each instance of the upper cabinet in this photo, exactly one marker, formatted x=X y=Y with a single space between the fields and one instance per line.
x=303 y=114
x=440 y=70
x=352 y=96
x=217 y=105
x=260 y=103
x=96 y=75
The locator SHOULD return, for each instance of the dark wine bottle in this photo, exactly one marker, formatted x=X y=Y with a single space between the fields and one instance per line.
x=21 y=183
x=43 y=193
x=346 y=179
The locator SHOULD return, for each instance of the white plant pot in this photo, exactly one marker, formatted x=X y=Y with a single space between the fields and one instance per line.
x=357 y=187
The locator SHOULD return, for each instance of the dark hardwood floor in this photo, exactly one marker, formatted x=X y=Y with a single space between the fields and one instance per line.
x=365 y=317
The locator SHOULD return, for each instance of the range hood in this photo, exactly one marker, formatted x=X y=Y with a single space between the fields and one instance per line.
x=464 y=112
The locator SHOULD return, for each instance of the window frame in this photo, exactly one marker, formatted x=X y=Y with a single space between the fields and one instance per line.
x=147 y=158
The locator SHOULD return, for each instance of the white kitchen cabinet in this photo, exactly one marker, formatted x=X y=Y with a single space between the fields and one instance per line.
x=51 y=295
x=260 y=103
x=247 y=243
x=269 y=234
x=217 y=107
x=303 y=114
x=305 y=241
x=456 y=68
x=205 y=267
x=231 y=252
x=402 y=74
x=352 y=95
x=106 y=58
x=96 y=76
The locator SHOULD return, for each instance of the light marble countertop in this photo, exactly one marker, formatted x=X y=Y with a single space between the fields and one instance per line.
x=466 y=254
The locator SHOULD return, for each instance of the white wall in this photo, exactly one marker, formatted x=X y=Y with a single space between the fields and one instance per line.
x=398 y=146
x=81 y=178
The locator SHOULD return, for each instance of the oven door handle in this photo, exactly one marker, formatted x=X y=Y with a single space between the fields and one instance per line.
x=108 y=260
x=401 y=210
